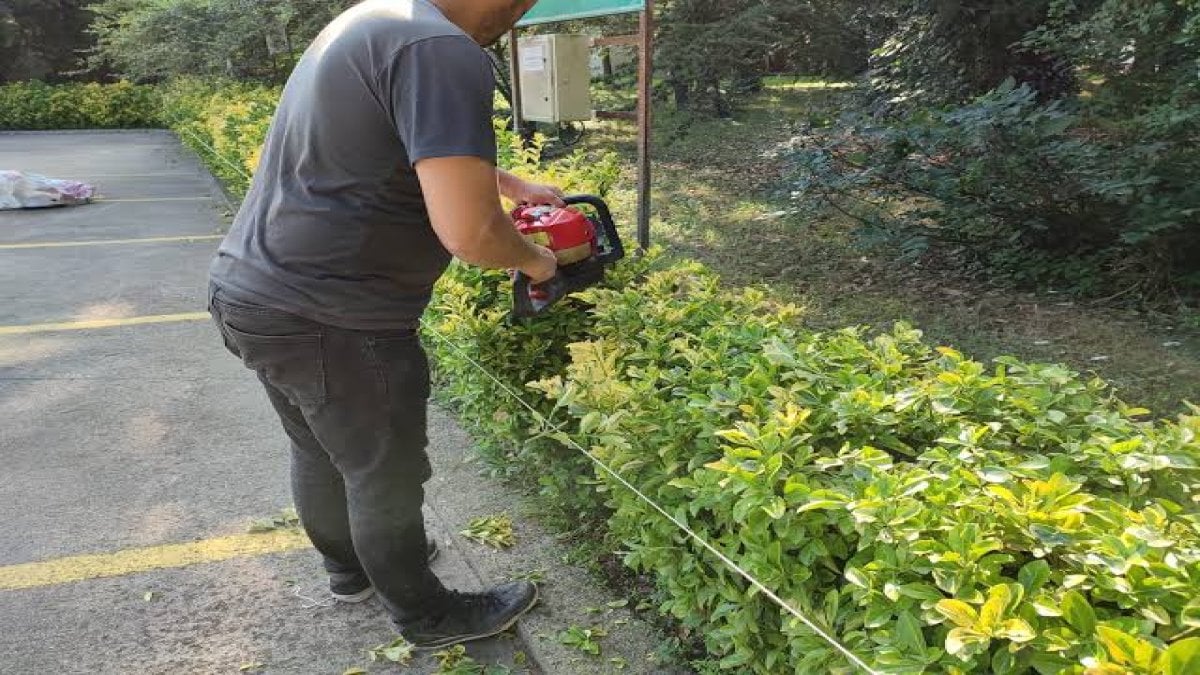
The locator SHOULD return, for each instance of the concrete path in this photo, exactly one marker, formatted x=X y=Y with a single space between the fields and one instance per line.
x=130 y=436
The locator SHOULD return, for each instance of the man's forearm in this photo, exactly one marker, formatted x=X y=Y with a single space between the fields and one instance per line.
x=510 y=186
x=499 y=246
x=464 y=210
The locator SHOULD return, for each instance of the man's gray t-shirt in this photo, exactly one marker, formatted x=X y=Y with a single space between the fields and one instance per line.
x=334 y=227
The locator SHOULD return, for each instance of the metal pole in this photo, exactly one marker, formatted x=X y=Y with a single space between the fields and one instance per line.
x=514 y=75
x=645 y=121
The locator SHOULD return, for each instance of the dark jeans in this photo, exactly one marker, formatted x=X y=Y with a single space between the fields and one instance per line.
x=354 y=405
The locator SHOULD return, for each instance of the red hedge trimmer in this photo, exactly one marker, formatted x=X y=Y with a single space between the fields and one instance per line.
x=585 y=246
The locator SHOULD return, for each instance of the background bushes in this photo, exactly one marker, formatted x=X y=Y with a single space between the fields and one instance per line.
x=225 y=123
x=37 y=105
x=938 y=515
x=1022 y=189
x=1046 y=144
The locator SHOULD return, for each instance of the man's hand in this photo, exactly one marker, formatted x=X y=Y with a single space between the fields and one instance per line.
x=544 y=268
x=538 y=195
x=524 y=192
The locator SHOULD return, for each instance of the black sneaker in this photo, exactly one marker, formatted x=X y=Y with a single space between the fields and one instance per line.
x=472 y=616
x=354 y=587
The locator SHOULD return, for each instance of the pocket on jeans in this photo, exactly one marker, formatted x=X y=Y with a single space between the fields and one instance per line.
x=402 y=366
x=293 y=364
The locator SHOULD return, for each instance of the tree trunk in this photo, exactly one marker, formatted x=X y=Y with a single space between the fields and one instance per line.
x=682 y=93
x=719 y=103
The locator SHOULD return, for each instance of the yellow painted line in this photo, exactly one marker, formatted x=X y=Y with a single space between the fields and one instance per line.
x=112 y=242
x=102 y=323
x=137 y=560
x=146 y=200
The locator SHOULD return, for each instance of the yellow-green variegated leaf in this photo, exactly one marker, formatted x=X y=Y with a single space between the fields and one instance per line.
x=1017 y=630
x=960 y=641
x=958 y=612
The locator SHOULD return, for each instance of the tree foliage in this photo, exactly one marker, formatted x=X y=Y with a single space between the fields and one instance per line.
x=1015 y=188
x=148 y=40
x=704 y=43
x=1139 y=54
x=1047 y=142
x=40 y=39
x=951 y=50
x=712 y=50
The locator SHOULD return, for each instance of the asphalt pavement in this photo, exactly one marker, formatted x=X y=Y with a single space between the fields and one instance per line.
x=135 y=452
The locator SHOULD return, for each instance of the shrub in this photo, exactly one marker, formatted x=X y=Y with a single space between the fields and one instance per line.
x=1024 y=189
x=37 y=106
x=225 y=123
x=938 y=516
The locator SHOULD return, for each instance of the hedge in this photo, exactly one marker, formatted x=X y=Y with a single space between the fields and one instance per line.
x=938 y=515
x=37 y=106
x=225 y=123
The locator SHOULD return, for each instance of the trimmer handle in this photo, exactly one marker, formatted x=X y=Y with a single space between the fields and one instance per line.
x=611 y=247
x=531 y=300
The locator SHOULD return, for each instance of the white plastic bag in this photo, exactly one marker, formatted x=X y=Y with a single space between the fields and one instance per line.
x=20 y=190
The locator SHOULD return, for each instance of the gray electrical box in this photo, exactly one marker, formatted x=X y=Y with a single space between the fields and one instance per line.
x=555 y=78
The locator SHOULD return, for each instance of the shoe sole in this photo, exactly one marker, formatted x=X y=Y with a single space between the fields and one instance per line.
x=450 y=642
x=356 y=598
x=366 y=593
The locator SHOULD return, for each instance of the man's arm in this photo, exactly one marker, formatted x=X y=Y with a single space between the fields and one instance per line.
x=462 y=196
x=441 y=92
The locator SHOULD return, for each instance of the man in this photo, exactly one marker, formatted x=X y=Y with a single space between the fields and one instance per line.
x=379 y=165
